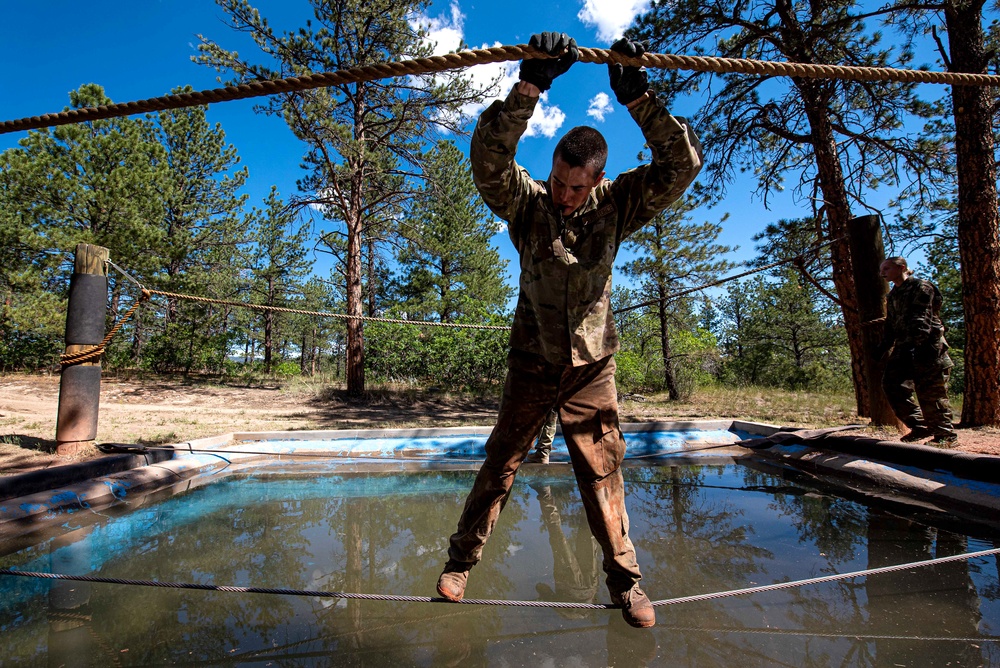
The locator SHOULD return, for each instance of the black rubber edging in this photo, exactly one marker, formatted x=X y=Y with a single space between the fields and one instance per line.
x=42 y=480
x=972 y=466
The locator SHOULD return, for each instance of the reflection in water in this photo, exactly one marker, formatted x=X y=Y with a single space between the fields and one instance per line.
x=939 y=600
x=699 y=530
x=576 y=560
x=70 y=630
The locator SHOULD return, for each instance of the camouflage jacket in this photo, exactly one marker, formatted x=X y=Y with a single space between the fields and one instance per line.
x=913 y=324
x=564 y=304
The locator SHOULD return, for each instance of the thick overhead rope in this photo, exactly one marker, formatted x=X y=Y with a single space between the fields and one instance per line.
x=496 y=602
x=468 y=58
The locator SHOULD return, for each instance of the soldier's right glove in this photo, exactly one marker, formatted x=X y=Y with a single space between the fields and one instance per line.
x=541 y=71
x=926 y=354
x=629 y=83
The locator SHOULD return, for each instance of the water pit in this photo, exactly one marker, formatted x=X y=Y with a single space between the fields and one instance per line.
x=705 y=517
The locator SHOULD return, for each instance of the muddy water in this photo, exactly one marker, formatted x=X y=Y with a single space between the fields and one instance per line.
x=696 y=529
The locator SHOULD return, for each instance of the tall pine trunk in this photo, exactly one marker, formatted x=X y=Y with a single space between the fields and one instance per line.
x=269 y=327
x=978 y=234
x=838 y=212
x=669 y=378
x=355 y=366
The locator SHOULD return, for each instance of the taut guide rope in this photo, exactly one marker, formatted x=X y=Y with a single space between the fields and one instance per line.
x=495 y=602
x=68 y=359
x=467 y=58
x=674 y=295
x=324 y=314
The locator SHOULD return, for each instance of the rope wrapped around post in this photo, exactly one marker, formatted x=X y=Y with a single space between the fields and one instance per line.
x=98 y=350
x=497 y=54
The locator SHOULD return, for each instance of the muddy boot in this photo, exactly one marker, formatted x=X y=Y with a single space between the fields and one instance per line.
x=945 y=440
x=636 y=608
x=451 y=584
x=539 y=456
x=918 y=433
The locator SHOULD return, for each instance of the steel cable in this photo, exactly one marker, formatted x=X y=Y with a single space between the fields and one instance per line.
x=496 y=602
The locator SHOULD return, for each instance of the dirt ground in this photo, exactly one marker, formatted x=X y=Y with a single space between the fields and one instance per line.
x=177 y=410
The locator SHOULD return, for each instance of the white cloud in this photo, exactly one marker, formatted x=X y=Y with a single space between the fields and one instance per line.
x=546 y=120
x=443 y=34
x=611 y=17
x=600 y=107
x=502 y=75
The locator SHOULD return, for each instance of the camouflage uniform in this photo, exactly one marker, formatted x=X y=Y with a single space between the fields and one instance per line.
x=563 y=337
x=548 y=433
x=919 y=359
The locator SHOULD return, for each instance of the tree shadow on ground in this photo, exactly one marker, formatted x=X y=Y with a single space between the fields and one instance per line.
x=391 y=408
x=20 y=453
x=32 y=443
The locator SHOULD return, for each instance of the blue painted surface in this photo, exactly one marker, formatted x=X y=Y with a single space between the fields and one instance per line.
x=472 y=446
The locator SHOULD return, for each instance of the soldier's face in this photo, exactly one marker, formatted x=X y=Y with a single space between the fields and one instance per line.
x=571 y=186
x=891 y=272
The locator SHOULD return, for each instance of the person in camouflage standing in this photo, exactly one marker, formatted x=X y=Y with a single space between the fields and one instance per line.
x=543 y=447
x=919 y=359
x=567 y=231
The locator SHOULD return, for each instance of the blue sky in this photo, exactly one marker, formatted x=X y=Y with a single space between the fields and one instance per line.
x=138 y=50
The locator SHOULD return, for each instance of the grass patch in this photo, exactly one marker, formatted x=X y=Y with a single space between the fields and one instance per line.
x=159 y=439
x=755 y=404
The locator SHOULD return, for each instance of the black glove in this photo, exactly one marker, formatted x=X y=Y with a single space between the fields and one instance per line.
x=541 y=71
x=903 y=353
x=628 y=83
x=926 y=354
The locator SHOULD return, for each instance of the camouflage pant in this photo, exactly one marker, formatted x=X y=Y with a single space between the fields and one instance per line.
x=588 y=410
x=548 y=432
x=899 y=380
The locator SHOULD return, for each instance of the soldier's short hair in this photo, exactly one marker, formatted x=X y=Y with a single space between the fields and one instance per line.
x=583 y=146
x=901 y=263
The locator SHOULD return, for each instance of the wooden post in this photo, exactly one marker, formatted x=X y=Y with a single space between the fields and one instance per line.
x=867 y=254
x=80 y=384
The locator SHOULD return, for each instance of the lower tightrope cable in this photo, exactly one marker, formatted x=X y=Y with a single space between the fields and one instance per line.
x=496 y=602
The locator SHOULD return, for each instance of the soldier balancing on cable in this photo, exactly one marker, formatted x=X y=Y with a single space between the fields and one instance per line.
x=567 y=230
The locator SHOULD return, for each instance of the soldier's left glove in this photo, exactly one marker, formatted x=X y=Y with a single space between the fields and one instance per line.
x=629 y=83
x=541 y=71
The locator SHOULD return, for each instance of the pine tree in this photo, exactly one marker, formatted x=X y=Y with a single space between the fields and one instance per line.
x=842 y=139
x=96 y=182
x=449 y=267
x=674 y=254
x=202 y=227
x=278 y=262
x=361 y=138
x=966 y=39
x=781 y=333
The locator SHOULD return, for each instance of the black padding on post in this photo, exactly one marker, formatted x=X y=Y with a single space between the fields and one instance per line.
x=88 y=303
